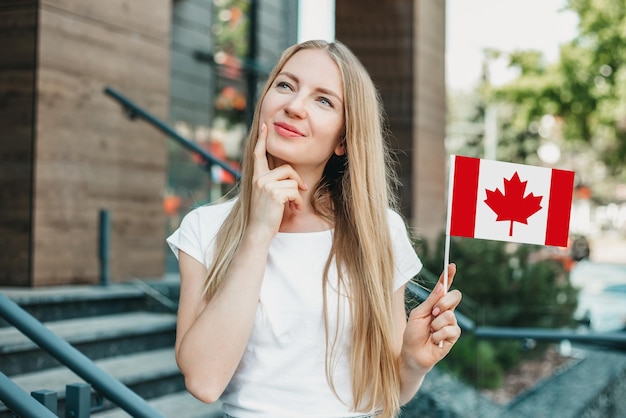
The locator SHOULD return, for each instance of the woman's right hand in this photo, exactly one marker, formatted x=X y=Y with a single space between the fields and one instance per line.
x=272 y=190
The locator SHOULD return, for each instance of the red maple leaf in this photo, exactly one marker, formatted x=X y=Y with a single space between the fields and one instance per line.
x=513 y=206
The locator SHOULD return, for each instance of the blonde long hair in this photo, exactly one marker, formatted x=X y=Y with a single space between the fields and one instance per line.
x=355 y=194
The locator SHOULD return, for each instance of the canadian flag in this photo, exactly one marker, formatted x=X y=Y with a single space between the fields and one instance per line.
x=509 y=202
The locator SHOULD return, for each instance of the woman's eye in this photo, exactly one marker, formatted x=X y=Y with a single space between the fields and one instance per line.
x=283 y=85
x=325 y=101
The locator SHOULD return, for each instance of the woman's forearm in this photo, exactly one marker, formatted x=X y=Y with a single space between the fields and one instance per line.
x=211 y=347
x=411 y=380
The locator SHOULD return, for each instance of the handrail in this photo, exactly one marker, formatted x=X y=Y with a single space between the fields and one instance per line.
x=18 y=401
x=134 y=111
x=80 y=364
x=616 y=339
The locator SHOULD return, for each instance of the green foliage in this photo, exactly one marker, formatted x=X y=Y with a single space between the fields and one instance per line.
x=506 y=285
x=584 y=93
x=475 y=361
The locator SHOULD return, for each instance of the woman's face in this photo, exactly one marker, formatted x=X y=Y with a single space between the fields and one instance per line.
x=304 y=112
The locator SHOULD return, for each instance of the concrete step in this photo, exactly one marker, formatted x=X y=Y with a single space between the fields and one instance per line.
x=127 y=329
x=150 y=374
x=68 y=302
x=96 y=337
x=179 y=405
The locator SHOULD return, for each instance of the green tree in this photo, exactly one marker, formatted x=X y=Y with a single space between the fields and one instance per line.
x=584 y=91
x=602 y=41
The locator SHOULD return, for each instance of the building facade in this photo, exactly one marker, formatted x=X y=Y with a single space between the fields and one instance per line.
x=68 y=153
x=67 y=150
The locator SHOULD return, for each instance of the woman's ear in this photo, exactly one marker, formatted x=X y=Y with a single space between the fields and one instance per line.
x=341 y=149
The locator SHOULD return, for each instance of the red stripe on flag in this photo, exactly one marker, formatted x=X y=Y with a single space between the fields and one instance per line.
x=559 y=207
x=464 y=196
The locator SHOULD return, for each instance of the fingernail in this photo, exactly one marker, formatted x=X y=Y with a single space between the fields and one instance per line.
x=436 y=311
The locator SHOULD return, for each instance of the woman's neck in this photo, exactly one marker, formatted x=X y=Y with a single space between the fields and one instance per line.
x=305 y=218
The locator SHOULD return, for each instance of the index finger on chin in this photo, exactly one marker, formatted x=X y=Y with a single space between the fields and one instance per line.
x=260 y=153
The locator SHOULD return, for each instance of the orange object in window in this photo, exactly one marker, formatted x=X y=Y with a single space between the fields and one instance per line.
x=171 y=205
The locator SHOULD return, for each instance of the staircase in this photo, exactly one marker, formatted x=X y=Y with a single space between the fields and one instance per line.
x=127 y=329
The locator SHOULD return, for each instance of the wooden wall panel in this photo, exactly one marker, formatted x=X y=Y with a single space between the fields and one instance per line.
x=18 y=40
x=381 y=34
x=429 y=127
x=89 y=156
x=145 y=18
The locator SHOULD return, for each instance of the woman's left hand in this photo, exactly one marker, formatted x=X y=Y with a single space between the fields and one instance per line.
x=429 y=324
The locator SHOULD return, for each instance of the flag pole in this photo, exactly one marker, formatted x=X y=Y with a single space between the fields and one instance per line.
x=446 y=252
x=446 y=261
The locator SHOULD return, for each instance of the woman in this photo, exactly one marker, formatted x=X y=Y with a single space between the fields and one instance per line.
x=292 y=294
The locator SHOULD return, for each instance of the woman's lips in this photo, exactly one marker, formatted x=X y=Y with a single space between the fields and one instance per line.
x=287 y=130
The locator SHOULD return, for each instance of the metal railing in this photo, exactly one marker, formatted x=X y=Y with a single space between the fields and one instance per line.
x=615 y=339
x=20 y=402
x=133 y=111
x=108 y=386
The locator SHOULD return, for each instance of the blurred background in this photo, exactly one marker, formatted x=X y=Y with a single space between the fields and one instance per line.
x=119 y=117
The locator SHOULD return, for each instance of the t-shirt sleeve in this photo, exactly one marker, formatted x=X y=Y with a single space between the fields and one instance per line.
x=407 y=262
x=188 y=238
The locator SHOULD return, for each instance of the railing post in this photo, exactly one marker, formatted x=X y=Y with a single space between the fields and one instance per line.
x=104 y=246
x=77 y=400
x=47 y=398
x=19 y=402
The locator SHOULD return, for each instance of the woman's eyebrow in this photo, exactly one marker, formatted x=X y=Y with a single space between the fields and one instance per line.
x=329 y=93
x=320 y=89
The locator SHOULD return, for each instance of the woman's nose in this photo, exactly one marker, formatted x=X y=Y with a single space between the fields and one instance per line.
x=296 y=107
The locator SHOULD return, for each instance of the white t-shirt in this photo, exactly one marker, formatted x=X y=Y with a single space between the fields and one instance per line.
x=282 y=371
